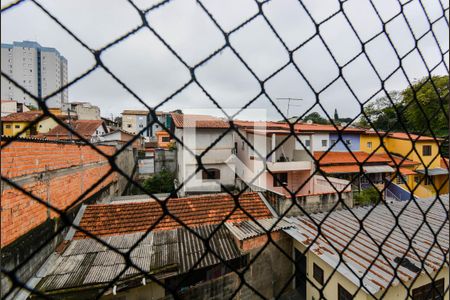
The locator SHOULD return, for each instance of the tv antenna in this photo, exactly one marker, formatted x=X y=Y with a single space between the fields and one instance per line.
x=289 y=99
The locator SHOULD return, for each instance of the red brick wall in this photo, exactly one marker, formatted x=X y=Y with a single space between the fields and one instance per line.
x=20 y=213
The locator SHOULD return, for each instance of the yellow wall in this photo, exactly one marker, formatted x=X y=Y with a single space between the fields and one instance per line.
x=403 y=147
x=331 y=289
x=374 y=139
x=46 y=125
x=13 y=130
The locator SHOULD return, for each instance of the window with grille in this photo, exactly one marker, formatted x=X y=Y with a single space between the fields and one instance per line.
x=211 y=174
x=280 y=179
x=318 y=273
x=426 y=150
x=343 y=294
x=429 y=291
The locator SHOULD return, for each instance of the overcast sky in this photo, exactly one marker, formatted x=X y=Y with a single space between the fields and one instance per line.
x=154 y=73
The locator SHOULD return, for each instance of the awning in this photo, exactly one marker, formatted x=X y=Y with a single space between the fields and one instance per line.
x=378 y=169
x=434 y=172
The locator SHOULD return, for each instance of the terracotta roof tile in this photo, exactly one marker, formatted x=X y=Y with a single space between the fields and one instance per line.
x=113 y=219
x=332 y=158
x=198 y=121
x=28 y=116
x=341 y=169
x=404 y=136
x=86 y=128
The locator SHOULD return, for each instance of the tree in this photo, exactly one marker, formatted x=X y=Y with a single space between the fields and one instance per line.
x=426 y=105
x=336 y=116
x=315 y=117
x=367 y=197
x=162 y=182
x=382 y=113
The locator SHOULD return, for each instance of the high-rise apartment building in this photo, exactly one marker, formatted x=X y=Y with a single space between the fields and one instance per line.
x=40 y=70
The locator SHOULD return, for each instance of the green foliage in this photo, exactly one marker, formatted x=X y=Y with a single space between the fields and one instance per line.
x=367 y=196
x=336 y=115
x=160 y=183
x=382 y=115
x=433 y=97
x=316 y=118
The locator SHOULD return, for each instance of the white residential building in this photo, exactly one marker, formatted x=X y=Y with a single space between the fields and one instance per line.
x=83 y=110
x=134 y=121
x=198 y=133
x=40 y=70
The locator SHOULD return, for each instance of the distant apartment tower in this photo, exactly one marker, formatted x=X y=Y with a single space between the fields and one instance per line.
x=40 y=70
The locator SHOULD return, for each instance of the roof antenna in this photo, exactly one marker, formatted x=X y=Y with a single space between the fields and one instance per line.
x=289 y=99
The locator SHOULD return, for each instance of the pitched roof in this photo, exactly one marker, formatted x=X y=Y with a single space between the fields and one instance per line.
x=113 y=219
x=340 y=169
x=198 y=121
x=135 y=112
x=340 y=229
x=27 y=116
x=404 y=136
x=165 y=253
x=85 y=128
x=332 y=158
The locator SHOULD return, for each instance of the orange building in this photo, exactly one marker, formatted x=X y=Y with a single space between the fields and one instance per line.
x=163 y=139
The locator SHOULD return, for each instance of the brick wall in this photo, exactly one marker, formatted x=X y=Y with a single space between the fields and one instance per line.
x=58 y=173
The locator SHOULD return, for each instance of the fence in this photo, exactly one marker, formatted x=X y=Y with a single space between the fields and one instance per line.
x=416 y=269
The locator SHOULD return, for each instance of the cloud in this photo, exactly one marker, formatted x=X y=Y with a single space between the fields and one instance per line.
x=147 y=66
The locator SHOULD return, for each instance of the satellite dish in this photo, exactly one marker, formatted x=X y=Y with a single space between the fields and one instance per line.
x=309 y=122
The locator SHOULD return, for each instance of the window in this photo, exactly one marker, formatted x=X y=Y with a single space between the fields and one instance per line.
x=141 y=126
x=429 y=291
x=416 y=179
x=369 y=145
x=280 y=179
x=324 y=143
x=8 y=126
x=348 y=142
x=333 y=142
x=211 y=174
x=128 y=125
x=16 y=126
x=427 y=180
x=318 y=273
x=307 y=143
x=426 y=150
x=165 y=139
x=343 y=294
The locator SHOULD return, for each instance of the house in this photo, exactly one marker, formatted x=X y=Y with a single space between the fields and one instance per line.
x=171 y=253
x=122 y=137
x=164 y=118
x=15 y=123
x=89 y=129
x=425 y=175
x=10 y=106
x=135 y=121
x=83 y=110
x=198 y=133
x=163 y=139
x=344 y=262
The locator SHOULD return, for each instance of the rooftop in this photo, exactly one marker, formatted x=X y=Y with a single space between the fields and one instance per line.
x=198 y=121
x=28 y=116
x=361 y=255
x=85 y=128
x=123 y=218
x=135 y=112
x=87 y=263
x=345 y=157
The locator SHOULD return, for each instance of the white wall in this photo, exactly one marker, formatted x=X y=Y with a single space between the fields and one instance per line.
x=317 y=139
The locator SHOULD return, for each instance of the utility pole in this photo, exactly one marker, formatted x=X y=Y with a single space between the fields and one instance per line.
x=289 y=99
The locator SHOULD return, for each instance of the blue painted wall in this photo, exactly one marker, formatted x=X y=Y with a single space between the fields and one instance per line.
x=354 y=139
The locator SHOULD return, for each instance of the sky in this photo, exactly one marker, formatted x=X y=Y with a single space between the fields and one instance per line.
x=154 y=73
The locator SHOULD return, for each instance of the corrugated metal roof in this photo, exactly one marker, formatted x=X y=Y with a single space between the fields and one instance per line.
x=191 y=247
x=434 y=172
x=338 y=229
x=87 y=262
x=248 y=229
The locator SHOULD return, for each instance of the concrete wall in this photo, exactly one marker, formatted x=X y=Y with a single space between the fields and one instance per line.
x=352 y=137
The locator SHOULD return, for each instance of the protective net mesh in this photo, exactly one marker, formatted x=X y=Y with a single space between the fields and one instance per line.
x=323 y=229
